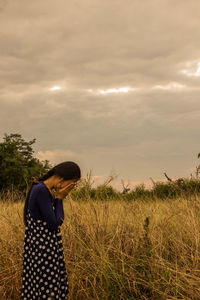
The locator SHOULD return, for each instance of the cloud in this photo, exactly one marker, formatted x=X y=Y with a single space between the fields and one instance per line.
x=56 y=156
x=57 y=41
x=124 y=101
x=192 y=69
x=172 y=85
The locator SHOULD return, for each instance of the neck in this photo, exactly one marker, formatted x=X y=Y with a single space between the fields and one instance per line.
x=49 y=183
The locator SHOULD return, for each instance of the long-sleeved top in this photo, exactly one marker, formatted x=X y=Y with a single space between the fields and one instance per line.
x=41 y=204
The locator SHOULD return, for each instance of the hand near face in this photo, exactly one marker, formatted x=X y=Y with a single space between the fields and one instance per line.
x=63 y=191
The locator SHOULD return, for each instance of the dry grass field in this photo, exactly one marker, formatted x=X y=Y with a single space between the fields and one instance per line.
x=115 y=249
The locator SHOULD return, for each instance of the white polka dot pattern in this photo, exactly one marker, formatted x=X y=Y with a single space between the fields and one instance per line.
x=44 y=271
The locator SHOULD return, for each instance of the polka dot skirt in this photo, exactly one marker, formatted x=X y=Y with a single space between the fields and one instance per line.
x=44 y=272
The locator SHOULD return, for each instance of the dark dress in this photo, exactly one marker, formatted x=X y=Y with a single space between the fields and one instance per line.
x=44 y=271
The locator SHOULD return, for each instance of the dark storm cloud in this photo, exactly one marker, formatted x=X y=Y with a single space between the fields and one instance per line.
x=87 y=46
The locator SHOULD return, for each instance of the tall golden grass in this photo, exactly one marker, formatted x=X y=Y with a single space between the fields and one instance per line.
x=115 y=249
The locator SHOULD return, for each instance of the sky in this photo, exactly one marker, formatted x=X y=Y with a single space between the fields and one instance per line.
x=110 y=85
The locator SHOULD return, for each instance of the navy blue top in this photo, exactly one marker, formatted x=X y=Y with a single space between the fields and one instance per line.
x=41 y=202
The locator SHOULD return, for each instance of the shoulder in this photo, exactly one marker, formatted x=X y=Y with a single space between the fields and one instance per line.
x=39 y=188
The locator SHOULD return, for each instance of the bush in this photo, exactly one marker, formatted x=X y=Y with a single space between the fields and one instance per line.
x=17 y=164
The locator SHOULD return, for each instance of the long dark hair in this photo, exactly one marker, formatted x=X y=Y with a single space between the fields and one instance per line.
x=66 y=170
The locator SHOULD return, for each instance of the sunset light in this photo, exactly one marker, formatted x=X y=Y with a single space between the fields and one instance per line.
x=192 y=69
x=119 y=90
x=55 y=88
x=172 y=85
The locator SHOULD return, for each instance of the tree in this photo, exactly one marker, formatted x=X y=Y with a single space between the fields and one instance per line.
x=17 y=164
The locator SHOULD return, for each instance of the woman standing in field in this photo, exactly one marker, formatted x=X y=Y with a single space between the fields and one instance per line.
x=44 y=271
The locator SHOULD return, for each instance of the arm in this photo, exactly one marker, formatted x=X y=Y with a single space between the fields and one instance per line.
x=59 y=208
x=45 y=205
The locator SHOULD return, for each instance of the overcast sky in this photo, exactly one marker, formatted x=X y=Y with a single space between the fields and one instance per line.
x=112 y=85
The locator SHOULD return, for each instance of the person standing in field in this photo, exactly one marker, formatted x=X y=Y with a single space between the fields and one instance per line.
x=44 y=271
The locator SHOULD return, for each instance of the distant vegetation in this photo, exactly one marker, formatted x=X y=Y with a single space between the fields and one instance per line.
x=164 y=190
x=18 y=165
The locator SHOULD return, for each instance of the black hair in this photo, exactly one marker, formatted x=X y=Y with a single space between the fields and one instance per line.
x=66 y=170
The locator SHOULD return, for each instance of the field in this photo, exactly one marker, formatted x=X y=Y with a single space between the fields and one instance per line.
x=115 y=249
